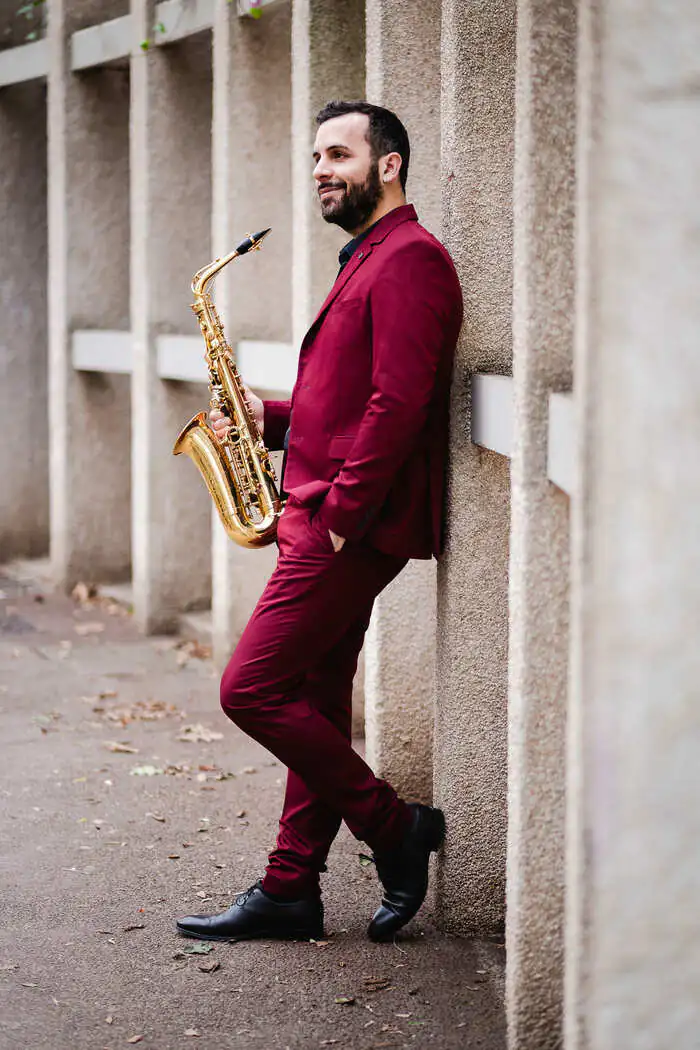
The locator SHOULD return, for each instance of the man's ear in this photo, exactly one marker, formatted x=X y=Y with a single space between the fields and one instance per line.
x=390 y=166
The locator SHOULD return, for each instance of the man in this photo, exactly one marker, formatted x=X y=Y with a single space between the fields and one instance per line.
x=366 y=438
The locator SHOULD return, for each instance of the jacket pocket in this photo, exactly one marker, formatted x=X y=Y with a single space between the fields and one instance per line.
x=340 y=445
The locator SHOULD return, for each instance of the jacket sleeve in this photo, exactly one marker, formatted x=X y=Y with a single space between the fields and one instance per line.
x=276 y=423
x=413 y=307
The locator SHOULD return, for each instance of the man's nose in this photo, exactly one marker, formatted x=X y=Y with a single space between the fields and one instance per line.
x=322 y=170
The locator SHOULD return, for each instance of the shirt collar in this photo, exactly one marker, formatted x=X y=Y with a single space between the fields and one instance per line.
x=348 y=250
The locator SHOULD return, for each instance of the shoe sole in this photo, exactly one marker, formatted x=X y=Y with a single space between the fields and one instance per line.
x=265 y=935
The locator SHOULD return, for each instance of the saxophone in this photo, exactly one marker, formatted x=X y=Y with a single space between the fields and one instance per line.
x=237 y=471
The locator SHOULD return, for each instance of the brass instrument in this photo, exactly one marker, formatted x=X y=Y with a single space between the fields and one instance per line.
x=237 y=471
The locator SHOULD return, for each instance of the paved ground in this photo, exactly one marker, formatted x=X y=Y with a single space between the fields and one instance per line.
x=100 y=848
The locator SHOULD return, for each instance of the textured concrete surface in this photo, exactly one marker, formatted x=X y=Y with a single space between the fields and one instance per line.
x=634 y=946
x=100 y=861
x=89 y=420
x=251 y=191
x=400 y=646
x=399 y=677
x=24 y=450
x=403 y=74
x=543 y=298
x=328 y=62
x=478 y=57
x=171 y=240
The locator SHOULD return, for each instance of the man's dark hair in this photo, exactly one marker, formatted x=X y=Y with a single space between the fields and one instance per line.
x=386 y=133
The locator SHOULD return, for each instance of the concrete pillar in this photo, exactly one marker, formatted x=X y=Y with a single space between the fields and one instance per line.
x=633 y=944
x=88 y=119
x=543 y=295
x=171 y=218
x=328 y=49
x=252 y=190
x=24 y=449
x=478 y=59
x=400 y=647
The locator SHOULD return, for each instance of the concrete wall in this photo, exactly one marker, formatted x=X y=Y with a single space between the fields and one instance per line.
x=24 y=449
x=400 y=648
x=252 y=190
x=171 y=208
x=478 y=59
x=328 y=44
x=89 y=414
x=543 y=309
x=633 y=951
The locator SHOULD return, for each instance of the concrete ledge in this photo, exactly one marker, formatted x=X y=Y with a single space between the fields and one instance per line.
x=181 y=357
x=246 y=6
x=492 y=413
x=182 y=18
x=99 y=44
x=267 y=366
x=561 y=443
x=27 y=62
x=102 y=351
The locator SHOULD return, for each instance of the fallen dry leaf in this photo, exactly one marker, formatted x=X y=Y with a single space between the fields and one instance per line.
x=345 y=1000
x=120 y=748
x=210 y=967
x=199 y=734
x=135 y=926
x=375 y=984
x=135 y=1039
x=83 y=592
x=199 y=948
x=192 y=1032
x=157 y=816
x=173 y=856
x=91 y=627
x=109 y=1020
x=249 y=769
x=241 y=813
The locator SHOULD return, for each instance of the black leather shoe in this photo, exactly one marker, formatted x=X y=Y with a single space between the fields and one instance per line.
x=255 y=915
x=403 y=872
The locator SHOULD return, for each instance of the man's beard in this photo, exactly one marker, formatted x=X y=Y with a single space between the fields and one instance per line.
x=353 y=208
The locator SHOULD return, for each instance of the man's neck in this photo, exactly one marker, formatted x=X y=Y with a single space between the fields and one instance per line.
x=379 y=212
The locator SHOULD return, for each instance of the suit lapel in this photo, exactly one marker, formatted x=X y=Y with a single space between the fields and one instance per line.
x=384 y=227
x=342 y=279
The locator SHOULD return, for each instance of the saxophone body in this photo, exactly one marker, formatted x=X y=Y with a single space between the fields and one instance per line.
x=237 y=471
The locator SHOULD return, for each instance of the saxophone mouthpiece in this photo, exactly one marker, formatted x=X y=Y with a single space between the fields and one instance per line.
x=252 y=241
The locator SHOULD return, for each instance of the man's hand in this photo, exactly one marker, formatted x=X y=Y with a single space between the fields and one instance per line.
x=337 y=541
x=221 y=424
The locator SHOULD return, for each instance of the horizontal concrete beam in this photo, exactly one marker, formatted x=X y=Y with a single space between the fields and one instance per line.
x=561 y=442
x=102 y=43
x=265 y=366
x=102 y=351
x=492 y=413
x=493 y=426
x=181 y=357
x=177 y=19
x=27 y=62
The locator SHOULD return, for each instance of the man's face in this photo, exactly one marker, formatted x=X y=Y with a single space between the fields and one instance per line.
x=347 y=178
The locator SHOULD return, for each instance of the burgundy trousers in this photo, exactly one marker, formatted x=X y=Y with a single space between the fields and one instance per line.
x=289 y=686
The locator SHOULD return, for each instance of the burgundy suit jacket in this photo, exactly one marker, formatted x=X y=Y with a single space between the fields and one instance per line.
x=369 y=410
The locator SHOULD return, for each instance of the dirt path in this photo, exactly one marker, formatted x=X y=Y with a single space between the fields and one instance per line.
x=101 y=848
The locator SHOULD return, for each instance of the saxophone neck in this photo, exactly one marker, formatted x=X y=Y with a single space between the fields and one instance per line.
x=205 y=276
